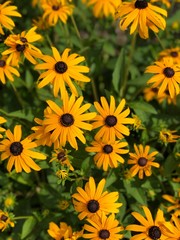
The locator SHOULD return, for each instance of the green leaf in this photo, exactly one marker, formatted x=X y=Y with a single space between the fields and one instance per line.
x=118 y=72
x=28 y=227
x=141 y=106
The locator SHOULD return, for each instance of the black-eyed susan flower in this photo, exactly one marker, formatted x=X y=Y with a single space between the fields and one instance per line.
x=108 y=154
x=7 y=10
x=168 y=136
x=60 y=155
x=141 y=15
x=165 y=96
x=5 y=220
x=111 y=120
x=21 y=46
x=63 y=231
x=103 y=8
x=142 y=161
x=93 y=200
x=40 y=136
x=171 y=52
x=2 y=120
x=174 y=203
x=55 y=10
x=148 y=228
x=62 y=174
x=137 y=123
x=166 y=76
x=7 y=71
x=65 y=123
x=104 y=227
x=172 y=228
x=150 y=93
x=19 y=151
x=61 y=69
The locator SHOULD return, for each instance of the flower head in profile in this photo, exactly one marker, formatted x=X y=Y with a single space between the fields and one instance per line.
x=60 y=155
x=141 y=15
x=166 y=76
x=142 y=161
x=168 y=136
x=172 y=228
x=20 y=45
x=7 y=71
x=171 y=52
x=7 y=10
x=148 y=228
x=103 y=8
x=5 y=220
x=55 y=10
x=111 y=120
x=65 y=123
x=93 y=200
x=174 y=203
x=63 y=231
x=2 y=120
x=18 y=152
x=104 y=227
x=60 y=70
x=137 y=123
x=108 y=154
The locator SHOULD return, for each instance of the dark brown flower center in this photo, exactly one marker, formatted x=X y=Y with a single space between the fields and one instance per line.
x=2 y=63
x=16 y=148
x=67 y=120
x=154 y=232
x=61 y=156
x=61 y=67
x=174 y=54
x=141 y=4
x=4 y=218
x=155 y=90
x=110 y=121
x=93 y=206
x=142 y=161
x=23 y=39
x=104 y=234
x=168 y=72
x=107 y=148
x=55 y=7
x=20 y=48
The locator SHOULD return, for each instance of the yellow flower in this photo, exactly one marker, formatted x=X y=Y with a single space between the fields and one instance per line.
x=167 y=136
x=171 y=52
x=21 y=45
x=172 y=229
x=137 y=123
x=18 y=152
x=7 y=71
x=141 y=15
x=104 y=8
x=149 y=228
x=61 y=69
x=63 y=232
x=111 y=120
x=63 y=204
x=93 y=200
x=61 y=156
x=167 y=3
x=108 y=154
x=55 y=10
x=65 y=123
x=174 y=203
x=5 y=221
x=62 y=174
x=103 y=227
x=2 y=120
x=142 y=160
x=7 y=10
x=9 y=201
x=150 y=93
x=166 y=75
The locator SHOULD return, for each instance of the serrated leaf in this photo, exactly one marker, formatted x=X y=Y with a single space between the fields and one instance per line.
x=118 y=72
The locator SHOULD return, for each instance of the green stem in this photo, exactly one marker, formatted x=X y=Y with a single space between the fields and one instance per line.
x=162 y=45
x=21 y=217
x=126 y=73
x=75 y=27
x=21 y=102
